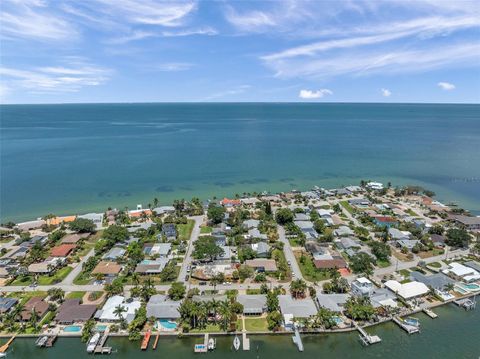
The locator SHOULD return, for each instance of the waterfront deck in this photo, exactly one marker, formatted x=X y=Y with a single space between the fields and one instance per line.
x=410 y=329
x=245 y=341
x=50 y=341
x=430 y=313
x=146 y=340
x=101 y=348
x=156 y=342
x=202 y=348
x=5 y=346
x=298 y=340
x=466 y=303
x=366 y=338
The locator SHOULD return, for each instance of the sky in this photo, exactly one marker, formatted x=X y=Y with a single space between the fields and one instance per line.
x=66 y=51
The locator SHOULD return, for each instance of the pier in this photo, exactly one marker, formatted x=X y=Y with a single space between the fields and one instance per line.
x=146 y=340
x=245 y=341
x=5 y=346
x=156 y=342
x=466 y=303
x=410 y=329
x=430 y=313
x=298 y=340
x=100 y=348
x=50 y=341
x=202 y=348
x=366 y=338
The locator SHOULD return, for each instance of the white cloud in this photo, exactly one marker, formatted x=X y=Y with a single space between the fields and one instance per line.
x=446 y=86
x=250 y=20
x=70 y=78
x=311 y=94
x=173 y=66
x=386 y=92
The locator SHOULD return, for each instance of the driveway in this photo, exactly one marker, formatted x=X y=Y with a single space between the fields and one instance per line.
x=287 y=249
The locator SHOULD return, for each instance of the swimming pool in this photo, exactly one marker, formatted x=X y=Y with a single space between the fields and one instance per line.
x=72 y=329
x=472 y=287
x=101 y=328
x=337 y=320
x=167 y=324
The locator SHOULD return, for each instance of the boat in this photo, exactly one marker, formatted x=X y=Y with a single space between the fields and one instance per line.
x=92 y=343
x=212 y=344
x=236 y=343
x=41 y=341
x=412 y=321
x=3 y=355
x=146 y=339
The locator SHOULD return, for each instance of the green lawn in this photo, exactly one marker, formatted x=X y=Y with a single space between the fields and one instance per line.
x=210 y=328
x=383 y=264
x=308 y=269
x=23 y=297
x=411 y=212
x=82 y=279
x=75 y=295
x=295 y=242
x=185 y=230
x=347 y=206
x=435 y=265
x=205 y=229
x=253 y=291
x=56 y=278
x=47 y=318
x=256 y=324
x=404 y=272
x=22 y=281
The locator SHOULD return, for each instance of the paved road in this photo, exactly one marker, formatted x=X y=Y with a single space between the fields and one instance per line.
x=68 y=280
x=287 y=249
x=188 y=255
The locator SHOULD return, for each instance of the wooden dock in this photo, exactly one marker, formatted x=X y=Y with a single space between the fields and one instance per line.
x=245 y=341
x=156 y=342
x=146 y=340
x=101 y=348
x=50 y=341
x=366 y=338
x=430 y=313
x=298 y=340
x=5 y=346
x=410 y=329
x=202 y=348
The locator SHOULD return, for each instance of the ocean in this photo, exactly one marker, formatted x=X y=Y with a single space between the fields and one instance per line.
x=77 y=158
x=453 y=335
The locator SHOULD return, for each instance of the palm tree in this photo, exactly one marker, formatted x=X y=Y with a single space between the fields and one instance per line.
x=298 y=288
x=34 y=319
x=449 y=287
x=226 y=313
x=118 y=312
x=202 y=315
x=18 y=314
x=155 y=202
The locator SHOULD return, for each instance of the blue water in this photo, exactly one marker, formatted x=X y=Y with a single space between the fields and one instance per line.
x=72 y=329
x=167 y=324
x=76 y=158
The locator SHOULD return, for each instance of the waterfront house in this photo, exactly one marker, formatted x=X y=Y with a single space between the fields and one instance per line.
x=113 y=254
x=262 y=265
x=334 y=301
x=375 y=185
x=148 y=266
x=96 y=218
x=169 y=231
x=295 y=308
x=262 y=249
x=160 y=307
x=382 y=297
x=253 y=304
x=28 y=226
x=362 y=287
x=55 y=221
x=462 y=273
x=164 y=210
x=106 y=314
x=37 y=304
x=138 y=213
x=407 y=291
x=71 y=311
x=437 y=281
x=109 y=269
x=7 y=304
x=470 y=223
x=229 y=203
x=63 y=250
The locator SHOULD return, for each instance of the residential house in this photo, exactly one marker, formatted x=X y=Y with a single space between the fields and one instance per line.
x=164 y=210
x=302 y=217
x=407 y=291
x=398 y=235
x=438 y=240
x=437 y=281
x=334 y=301
x=113 y=254
x=385 y=221
x=37 y=304
x=107 y=313
x=255 y=233
x=362 y=287
x=229 y=203
x=359 y=202
x=253 y=304
x=71 y=311
x=28 y=226
x=295 y=308
x=63 y=250
x=160 y=307
x=148 y=266
x=46 y=266
x=16 y=253
x=407 y=243
x=348 y=243
x=96 y=218
x=343 y=231
x=7 y=304
x=73 y=238
x=251 y=223
x=462 y=273
x=470 y=223
x=375 y=185
x=169 y=231
x=262 y=265
x=59 y=220
x=262 y=249
x=109 y=269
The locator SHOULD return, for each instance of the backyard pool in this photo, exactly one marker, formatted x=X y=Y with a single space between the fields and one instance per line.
x=72 y=329
x=471 y=286
x=167 y=324
x=101 y=328
x=337 y=320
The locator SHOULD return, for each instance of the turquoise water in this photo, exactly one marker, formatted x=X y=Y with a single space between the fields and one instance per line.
x=167 y=324
x=72 y=329
x=101 y=328
x=79 y=158
x=454 y=334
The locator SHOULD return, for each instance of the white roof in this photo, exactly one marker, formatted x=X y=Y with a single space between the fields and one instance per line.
x=107 y=312
x=407 y=290
x=363 y=280
x=460 y=270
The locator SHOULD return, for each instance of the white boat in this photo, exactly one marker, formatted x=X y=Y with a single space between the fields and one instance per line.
x=211 y=344
x=41 y=341
x=92 y=343
x=3 y=355
x=236 y=343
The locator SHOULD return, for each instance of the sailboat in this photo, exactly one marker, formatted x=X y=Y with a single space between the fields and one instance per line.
x=236 y=343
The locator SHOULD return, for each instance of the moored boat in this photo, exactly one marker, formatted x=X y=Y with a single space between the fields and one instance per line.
x=41 y=341
x=236 y=343
x=92 y=343
x=212 y=344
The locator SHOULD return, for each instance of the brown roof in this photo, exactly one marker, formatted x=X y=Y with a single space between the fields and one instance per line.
x=72 y=311
x=107 y=268
x=268 y=264
x=62 y=250
x=40 y=306
x=330 y=263
x=73 y=238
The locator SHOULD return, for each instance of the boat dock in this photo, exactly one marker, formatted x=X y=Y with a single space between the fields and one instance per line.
x=146 y=340
x=366 y=338
x=410 y=329
x=202 y=348
x=430 y=313
x=298 y=340
x=245 y=341
x=100 y=348
x=156 y=342
x=466 y=303
x=5 y=346
x=50 y=341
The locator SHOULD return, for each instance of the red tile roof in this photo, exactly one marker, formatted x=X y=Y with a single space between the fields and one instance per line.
x=231 y=202
x=62 y=250
x=330 y=263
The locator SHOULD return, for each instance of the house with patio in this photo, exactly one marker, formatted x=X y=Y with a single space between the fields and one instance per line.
x=7 y=304
x=332 y=301
x=161 y=307
x=407 y=291
x=295 y=309
x=169 y=230
x=262 y=265
x=72 y=311
x=462 y=273
x=253 y=304
x=37 y=304
x=362 y=287
x=262 y=249
x=107 y=313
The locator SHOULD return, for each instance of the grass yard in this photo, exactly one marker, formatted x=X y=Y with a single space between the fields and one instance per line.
x=22 y=281
x=435 y=265
x=348 y=207
x=23 y=297
x=56 y=278
x=257 y=324
x=404 y=272
x=295 y=242
x=185 y=230
x=75 y=295
x=400 y=256
x=308 y=269
x=383 y=264
x=411 y=212
x=205 y=230
x=434 y=252
x=253 y=291
x=83 y=279
x=210 y=328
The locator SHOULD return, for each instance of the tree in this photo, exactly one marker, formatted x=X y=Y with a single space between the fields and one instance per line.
x=359 y=308
x=272 y=301
x=82 y=225
x=169 y=273
x=215 y=213
x=118 y=313
x=319 y=226
x=457 y=237
x=226 y=314
x=298 y=288
x=324 y=318
x=56 y=294
x=87 y=330
x=177 y=291
x=274 y=320
x=135 y=252
x=114 y=288
x=115 y=234
x=381 y=250
x=362 y=263
x=34 y=319
x=284 y=216
x=206 y=249
x=147 y=289
x=436 y=229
